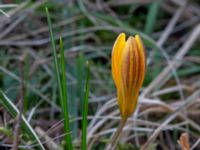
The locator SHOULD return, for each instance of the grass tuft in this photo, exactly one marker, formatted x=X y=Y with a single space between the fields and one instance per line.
x=61 y=84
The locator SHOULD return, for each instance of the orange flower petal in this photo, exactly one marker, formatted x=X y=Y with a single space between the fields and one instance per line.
x=128 y=70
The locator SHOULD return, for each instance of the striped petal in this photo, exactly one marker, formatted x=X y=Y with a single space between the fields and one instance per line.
x=128 y=70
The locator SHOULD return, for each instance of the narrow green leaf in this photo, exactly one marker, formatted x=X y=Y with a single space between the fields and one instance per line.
x=61 y=87
x=54 y=53
x=151 y=17
x=65 y=99
x=12 y=109
x=85 y=110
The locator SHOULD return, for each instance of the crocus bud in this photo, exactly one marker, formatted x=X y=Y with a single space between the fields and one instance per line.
x=128 y=71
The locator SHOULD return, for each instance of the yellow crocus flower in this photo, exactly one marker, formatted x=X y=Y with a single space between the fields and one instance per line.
x=128 y=71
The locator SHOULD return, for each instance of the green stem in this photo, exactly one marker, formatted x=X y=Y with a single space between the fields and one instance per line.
x=116 y=135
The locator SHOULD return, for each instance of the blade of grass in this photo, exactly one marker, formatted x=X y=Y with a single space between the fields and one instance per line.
x=71 y=88
x=12 y=109
x=85 y=110
x=61 y=87
x=151 y=17
x=65 y=99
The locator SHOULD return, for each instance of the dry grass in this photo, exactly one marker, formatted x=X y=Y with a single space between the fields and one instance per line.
x=169 y=103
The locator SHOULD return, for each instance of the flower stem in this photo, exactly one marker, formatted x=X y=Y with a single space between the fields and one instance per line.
x=116 y=135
